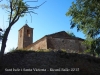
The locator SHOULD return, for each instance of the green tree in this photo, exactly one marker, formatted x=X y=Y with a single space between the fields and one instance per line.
x=88 y=41
x=71 y=33
x=85 y=15
x=16 y=10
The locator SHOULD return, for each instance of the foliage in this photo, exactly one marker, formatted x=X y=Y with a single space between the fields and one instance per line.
x=71 y=33
x=16 y=9
x=63 y=50
x=43 y=50
x=85 y=16
x=12 y=50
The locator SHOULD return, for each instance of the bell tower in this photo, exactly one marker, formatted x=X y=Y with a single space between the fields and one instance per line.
x=25 y=36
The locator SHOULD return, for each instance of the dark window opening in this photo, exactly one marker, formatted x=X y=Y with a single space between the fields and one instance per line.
x=28 y=33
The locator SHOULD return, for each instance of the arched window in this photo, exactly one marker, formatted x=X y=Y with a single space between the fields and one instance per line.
x=28 y=32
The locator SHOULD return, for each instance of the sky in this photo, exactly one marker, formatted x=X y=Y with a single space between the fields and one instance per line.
x=50 y=18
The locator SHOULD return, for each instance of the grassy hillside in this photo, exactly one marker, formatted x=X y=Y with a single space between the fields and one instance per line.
x=49 y=63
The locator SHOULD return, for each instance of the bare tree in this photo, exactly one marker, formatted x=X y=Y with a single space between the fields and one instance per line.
x=1 y=34
x=16 y=9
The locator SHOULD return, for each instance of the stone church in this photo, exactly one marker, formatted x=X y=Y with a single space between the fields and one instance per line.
x=56 y=41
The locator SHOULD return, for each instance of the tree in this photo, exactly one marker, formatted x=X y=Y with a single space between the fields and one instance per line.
x=0 y=33
x=71 y=33
x=1 y=36
x=16 y=10
x=85 y=16
x=88 y=42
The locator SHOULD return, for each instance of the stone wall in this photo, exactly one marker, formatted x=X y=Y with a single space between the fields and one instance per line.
x=25 y=37
x=20 y=39
x=71 y=45
x=28 y=36
x=40 y=44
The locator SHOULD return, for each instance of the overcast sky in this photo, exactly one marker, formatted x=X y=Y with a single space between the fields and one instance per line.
x=50 y=18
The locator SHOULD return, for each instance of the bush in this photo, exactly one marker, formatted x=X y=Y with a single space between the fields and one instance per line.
x=12 y=50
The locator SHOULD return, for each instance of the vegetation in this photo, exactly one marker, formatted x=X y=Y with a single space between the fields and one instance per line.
x=85 y=16
x=12 y=50
x=16 y=10
x=1 y=35
x=71 y=33
x=21 y=59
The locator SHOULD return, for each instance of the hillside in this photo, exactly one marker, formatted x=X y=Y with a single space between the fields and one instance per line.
x=49 y=63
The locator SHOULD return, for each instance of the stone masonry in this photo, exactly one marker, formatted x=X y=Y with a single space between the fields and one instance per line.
x=57 y=41
x=25 y=36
